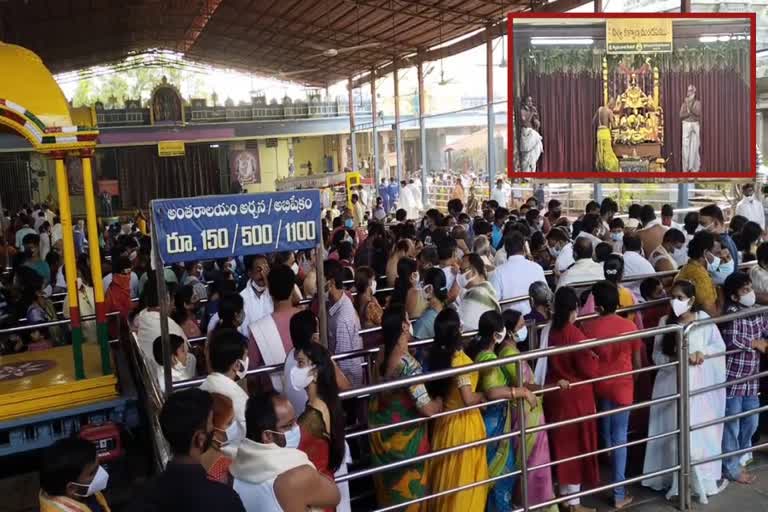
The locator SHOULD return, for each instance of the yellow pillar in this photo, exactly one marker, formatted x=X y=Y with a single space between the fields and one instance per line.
x=95 y=260
x=70 y=263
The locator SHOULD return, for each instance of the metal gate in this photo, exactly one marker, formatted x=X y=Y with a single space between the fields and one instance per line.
x=15 y=181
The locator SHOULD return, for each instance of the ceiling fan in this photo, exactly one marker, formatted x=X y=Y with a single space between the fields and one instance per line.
x=333 y=52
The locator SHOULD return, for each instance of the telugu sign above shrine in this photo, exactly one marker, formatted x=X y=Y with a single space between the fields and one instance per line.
x=635 y=35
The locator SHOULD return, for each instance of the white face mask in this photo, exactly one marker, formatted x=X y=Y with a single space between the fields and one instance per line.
x=301 y=378
x=748 y=300
x=464 y=279
x=243 y=367
x=293 y=437
x=234 y=434
x=522 y=334
x=98 y=484
x=680 y=307
x=295 y=268
x=499 y=337
x=373 y=287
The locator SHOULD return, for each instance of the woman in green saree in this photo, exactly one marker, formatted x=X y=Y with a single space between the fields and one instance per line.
x=395 y=362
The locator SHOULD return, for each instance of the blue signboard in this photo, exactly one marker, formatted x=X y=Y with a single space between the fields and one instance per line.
x=211 y=227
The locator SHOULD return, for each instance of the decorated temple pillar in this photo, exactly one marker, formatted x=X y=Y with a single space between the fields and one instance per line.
x=70 y=263
x=95 y=259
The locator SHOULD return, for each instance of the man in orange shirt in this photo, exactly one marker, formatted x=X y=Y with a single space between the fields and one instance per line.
x=618 y=392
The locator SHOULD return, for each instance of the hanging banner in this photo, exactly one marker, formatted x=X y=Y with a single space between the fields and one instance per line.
x=638 y=35
x=170 y=148
x=212 y=227
x=244 y=163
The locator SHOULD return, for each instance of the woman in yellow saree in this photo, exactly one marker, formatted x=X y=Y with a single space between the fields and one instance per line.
x=466 y=466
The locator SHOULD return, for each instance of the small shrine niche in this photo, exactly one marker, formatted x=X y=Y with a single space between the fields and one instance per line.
x=166 y=105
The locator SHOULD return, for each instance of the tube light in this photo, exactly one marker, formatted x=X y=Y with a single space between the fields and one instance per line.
x=561 y=41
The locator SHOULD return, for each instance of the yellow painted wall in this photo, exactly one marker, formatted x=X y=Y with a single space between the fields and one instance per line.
x=274 y=165
x=310 y=149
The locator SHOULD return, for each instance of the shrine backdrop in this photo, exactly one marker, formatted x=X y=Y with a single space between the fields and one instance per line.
x=567 y=86
x=144 y=176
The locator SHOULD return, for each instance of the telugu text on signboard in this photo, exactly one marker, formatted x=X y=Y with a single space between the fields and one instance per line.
x=634 y=35
x=215 y=227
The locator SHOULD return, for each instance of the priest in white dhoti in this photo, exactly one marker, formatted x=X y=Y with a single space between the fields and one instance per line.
x=690 y=114
x=531 y=142
x=407 y=201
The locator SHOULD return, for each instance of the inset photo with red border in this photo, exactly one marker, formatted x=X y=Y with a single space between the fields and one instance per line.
x=631 y=96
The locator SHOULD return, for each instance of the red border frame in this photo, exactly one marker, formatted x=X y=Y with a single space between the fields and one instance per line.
x=751 y=16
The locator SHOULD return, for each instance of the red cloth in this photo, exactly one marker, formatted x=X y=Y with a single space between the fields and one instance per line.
x=614 y=357
x=219 y=470
x=577 y=438
x=117 y=297
x=318 y=449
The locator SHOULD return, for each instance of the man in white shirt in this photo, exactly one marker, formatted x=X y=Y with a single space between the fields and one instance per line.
x=514 y=278
x=585 y=268
x=590 y=226
x=668 y=216
x=500 y=194
x=750 y=207
x=257 y=303
x=634 y=262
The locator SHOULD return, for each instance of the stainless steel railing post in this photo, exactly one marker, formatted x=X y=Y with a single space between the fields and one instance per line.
x=521 y=409
x=684 y=420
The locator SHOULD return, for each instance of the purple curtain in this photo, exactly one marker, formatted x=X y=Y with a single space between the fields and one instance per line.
x=725 y=119
x=567 y=102
x=145 y=176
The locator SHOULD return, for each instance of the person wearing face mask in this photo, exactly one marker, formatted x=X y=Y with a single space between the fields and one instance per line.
x=394 y=362
x=216 y=462
x=536 y=447
x=186 y=421
x=183 y=363
x=466 y=466
x=368 y=308
x=193 y=277
x=617 y=392
x=671 y=253
x=407 y=288
x=323 y=420
x=514 y=277
x=494 y=384
x=560 y=248
x=343 y=322
x=704 y=370
x=750 y=207
x=534 y=220
x=270 y=473
x=711 y=219
x=228 y=358
x=256 y=298
x=447 y=248
x=697 y=271
x=71 y=478
x=748 y=337
x=569 y=403
x=186 y=306
x=270 y=337
x=434 y=292
x=616 y=234
x=479 y=294
x=635 y=264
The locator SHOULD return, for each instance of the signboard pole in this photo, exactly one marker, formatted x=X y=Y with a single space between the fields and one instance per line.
x=322 y=309
x=162 y=297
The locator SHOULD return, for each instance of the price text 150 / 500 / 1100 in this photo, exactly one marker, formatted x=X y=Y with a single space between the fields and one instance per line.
x=250 y=236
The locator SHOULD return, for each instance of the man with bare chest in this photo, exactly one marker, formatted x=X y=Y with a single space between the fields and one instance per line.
x=605 y=158
x=690 y=114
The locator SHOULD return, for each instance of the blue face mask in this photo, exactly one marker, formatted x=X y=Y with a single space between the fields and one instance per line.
x=722 y=272
x=349 y=223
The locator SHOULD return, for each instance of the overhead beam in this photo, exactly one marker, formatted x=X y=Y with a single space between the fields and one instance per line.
x=198 y=24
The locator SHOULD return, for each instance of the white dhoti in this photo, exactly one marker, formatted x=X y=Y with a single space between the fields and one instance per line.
x=531 y=147
x=691 y=142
